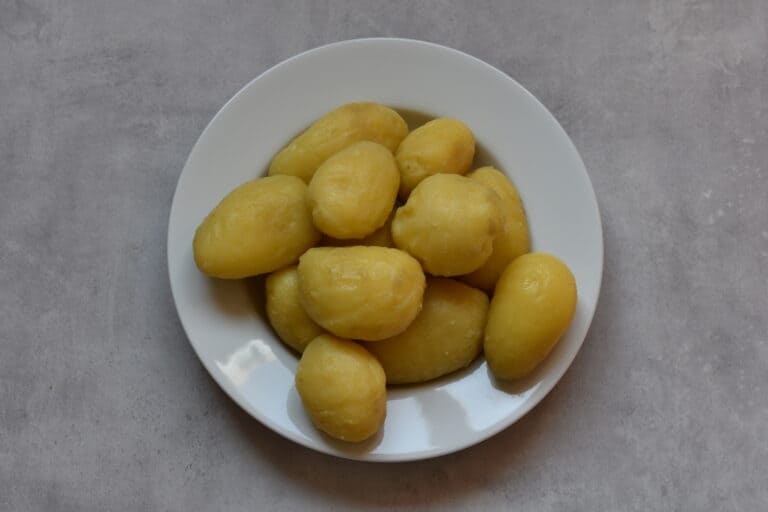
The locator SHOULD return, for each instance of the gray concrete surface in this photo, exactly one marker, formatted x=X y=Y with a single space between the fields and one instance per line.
x=103 y=405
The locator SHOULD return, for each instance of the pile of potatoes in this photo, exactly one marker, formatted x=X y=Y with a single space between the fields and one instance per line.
x=382 y=250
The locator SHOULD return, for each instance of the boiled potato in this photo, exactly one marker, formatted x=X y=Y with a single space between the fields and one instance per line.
x=447 y=335
x=262 y=225
x=512 y=240
x=335 y=131
x=442 y=145
x=343 y=388
x=284 y=310
x=364 y=293
x=353 y=192
x=532 y=307
x=449 y=224
x=382 y=237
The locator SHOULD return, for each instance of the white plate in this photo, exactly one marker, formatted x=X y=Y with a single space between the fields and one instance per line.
x=224 y=319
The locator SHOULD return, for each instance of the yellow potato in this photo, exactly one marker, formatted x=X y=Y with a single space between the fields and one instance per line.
x=352 y=193
x=442 y=145
x=284 y=310
x=261 y=226
x=447 y=335
x=336 y=130
x=343 y=388
x=512 y=240
x=364 y=293
x=449 y=224
x=532 y=307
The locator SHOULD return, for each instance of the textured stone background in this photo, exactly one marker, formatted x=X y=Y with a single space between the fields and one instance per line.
x=103 y=405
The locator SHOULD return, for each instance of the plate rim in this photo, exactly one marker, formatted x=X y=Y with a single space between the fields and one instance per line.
x=544 y=389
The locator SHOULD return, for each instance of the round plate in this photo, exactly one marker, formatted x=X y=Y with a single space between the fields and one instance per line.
x=225 y=320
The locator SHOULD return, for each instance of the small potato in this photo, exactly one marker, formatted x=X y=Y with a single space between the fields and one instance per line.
x=447 y=335
x=532 y=307
x=261 y=226
x=343 y=388
x=352 y=193
x=335 y=131
x=442 y=145
x=284 y=310
x=363 y=293
x=512 y=240
x=382 y=237
x=449 y=224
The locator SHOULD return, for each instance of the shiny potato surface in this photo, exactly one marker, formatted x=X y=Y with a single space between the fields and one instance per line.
x=382 y=237
x=449 y=224
x=443 y=145
x=285 y=312
x=353 y=192
x=342 y=387
x=363 y=293
x=533 y=304
x=335 y=131
x=260 y=226
x=447 y=335
x=512 y=240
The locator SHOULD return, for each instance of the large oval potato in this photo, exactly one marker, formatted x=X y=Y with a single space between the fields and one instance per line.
x=449 y=224
x=352 y=193
x=512 y=240
x=343 y=388
x=363 y=293
x=533 y=305
x=382 y=237
x=262 y=225
x=336 y=130
x=447 y=335
x=443 y=145
x=285 y=312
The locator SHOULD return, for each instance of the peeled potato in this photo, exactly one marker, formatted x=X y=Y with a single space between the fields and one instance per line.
x=262 y=225
x=447 y=335
x=449 y=224
x=343 y=388
x=364 y=293
x=533 y=305
x=382 y=237
x=512 y=240
x=284 y=310
x=352 y=193
x=335 y=131
x=442 y=145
